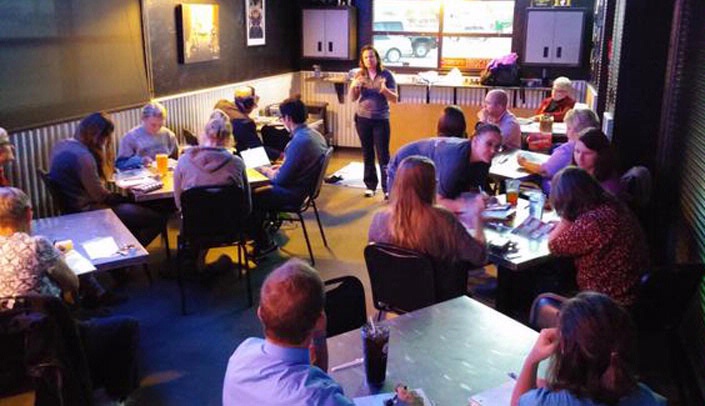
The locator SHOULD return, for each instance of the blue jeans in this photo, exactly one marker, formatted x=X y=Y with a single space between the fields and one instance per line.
x=374 y=136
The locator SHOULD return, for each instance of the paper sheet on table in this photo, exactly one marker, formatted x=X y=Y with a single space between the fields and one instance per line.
x=128 y=183
x=498 y=396
x=78 y=263
x=379 y=399
x=101 y=247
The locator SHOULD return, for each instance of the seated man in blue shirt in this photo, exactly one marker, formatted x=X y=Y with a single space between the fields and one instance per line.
x=295 y=178
x=288 y=366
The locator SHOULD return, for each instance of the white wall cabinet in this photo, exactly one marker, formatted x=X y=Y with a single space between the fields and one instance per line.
x=330 y=33
x=554 y=37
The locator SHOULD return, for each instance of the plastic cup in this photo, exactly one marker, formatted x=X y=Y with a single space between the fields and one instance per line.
x=162 y=164
x=375 y=346
x=536 y=202
x=512 y=189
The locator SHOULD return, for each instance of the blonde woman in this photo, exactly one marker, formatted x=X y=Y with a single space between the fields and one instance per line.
x=413 y=220
x=561 y=100
x=210 y=163
x=141 y=144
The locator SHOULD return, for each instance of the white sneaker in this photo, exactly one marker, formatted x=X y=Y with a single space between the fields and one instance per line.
x=369 y=193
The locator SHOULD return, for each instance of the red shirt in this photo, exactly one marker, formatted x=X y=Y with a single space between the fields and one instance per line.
x=3 y=180
x=609 y=250
x=557 y=109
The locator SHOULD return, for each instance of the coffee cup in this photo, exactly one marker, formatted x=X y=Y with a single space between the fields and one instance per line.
x=375 y=346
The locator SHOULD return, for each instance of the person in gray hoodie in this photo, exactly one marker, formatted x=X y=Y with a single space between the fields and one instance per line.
x=210 y=163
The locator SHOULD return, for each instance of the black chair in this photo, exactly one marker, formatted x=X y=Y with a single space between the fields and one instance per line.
x=545 y=310
x=345 y=305
x=41 y=351
x=57 y=198
x=213 y=216
x=310 y=201
x=189 y=137
x=404 y=280
x=664 y=294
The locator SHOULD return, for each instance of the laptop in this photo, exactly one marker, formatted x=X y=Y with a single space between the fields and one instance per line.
x=255 y=157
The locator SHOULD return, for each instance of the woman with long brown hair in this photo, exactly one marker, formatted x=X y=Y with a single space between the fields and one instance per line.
x=592 y=359
x=373 y=88
x=413 y=220
x=80 y=167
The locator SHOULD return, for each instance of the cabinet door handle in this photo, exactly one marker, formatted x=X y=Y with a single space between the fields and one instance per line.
x=320 y=46
x=330 y=46
x=559 y=51
x=545 y=52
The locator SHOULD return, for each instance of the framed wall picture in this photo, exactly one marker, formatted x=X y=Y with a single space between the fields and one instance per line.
x=255 y=18
x=200 y=32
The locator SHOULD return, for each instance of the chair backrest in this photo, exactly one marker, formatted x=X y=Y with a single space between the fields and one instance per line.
x=40 y=333
x=664 y=293
x=345 y=305
x=213 y=213
x=189 y=137
x=57 y=197
x=637 y=186
x=402 y=280
x=324 y=167
x=545 y=310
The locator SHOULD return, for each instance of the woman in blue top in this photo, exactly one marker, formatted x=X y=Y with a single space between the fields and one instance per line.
x=593 y=359
x=373 y=88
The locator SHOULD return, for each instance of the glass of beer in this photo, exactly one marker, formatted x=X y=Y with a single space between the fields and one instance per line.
x=546 y=124
x=512 y=189
x=162 y=163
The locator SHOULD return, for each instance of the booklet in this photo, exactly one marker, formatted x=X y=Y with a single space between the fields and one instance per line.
x=78 y=263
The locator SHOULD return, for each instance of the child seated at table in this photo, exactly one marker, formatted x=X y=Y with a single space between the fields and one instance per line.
x=592 y=359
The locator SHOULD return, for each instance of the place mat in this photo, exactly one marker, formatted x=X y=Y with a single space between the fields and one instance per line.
x=351 y=175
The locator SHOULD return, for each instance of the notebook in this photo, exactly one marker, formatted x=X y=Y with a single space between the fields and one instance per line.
x=255 y=157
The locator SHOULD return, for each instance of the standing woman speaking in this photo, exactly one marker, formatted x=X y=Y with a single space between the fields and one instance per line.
x=373 y=88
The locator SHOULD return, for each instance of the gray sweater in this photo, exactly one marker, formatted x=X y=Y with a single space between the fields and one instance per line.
x=75 y=172
x=209 y=166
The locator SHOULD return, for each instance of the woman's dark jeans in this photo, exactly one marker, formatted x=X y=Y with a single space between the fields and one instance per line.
x=374 y=136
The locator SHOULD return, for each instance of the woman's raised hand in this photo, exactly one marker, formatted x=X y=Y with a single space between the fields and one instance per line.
x=545 y=345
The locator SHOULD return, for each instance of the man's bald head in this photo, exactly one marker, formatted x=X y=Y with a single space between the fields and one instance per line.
x=496 y=103
x=291 y=302
x=498 y=96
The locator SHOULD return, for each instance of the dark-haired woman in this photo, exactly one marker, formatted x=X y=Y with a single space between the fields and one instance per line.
x=81 y=165
x=594 y=153
x=593 y=359
x=602 y=236
x=452 y=123
x=373 y=88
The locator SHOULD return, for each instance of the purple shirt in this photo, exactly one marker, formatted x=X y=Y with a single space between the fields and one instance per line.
x=561 y=157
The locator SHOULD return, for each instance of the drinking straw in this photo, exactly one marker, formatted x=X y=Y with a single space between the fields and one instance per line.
x=372 y=323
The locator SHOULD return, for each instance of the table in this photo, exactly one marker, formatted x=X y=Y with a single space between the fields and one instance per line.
x=505 y=165
x=533 y=128
x=167 y=191
x=530 y=254
x=452 y=350
x=85 y=226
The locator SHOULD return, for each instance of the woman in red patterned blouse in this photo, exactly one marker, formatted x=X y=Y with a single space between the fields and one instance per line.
x=602 y=235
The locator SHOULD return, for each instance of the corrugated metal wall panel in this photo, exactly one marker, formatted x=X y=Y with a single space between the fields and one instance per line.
x=412 y=94
x=340 y=115
x=440 y=95
x=191 y=110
